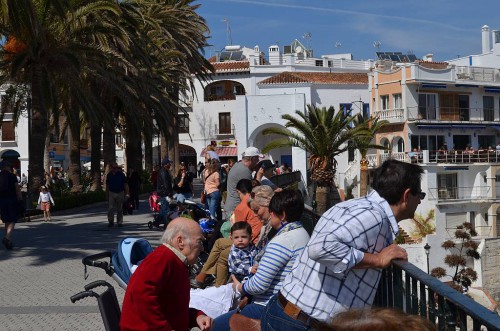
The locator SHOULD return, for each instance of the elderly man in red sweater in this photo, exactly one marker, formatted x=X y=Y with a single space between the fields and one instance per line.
x=157 y=296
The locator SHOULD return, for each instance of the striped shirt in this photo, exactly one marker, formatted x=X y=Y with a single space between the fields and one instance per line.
x=276 y=263
x=323 y=281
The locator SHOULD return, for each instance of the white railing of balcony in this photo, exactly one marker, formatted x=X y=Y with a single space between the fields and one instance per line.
x=8 y=142
x=459 y=193
x=477 y=74
x=390 y=114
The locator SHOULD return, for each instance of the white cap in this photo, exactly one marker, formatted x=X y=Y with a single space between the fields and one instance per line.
x=251 y=151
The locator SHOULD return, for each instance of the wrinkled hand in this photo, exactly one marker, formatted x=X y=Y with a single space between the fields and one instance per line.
x=204 y=322
x=390 y=253
x=254 y=269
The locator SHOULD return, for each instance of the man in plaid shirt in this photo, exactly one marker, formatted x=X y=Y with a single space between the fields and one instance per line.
x=340 y=267
x=242 y=252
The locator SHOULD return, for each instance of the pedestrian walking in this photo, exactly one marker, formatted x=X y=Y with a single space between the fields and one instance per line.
x=10 y=197
x=116 y=191
x=44 y=201
x=134 y=184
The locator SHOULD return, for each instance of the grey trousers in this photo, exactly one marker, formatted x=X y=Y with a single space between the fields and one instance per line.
x=115 y=201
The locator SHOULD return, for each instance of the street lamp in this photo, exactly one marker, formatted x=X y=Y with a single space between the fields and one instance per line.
x=427 y=248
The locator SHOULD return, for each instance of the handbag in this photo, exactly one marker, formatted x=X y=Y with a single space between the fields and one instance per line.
x=203 y=197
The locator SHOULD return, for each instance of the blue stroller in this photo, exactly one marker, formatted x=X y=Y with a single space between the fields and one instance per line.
x=130 y=253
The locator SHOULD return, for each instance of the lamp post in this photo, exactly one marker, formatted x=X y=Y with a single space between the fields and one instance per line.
x=427 y=248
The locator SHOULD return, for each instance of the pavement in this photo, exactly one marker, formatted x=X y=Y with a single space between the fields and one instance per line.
x=42 y=272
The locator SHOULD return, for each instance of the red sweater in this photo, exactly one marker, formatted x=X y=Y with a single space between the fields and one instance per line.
x=157 y=296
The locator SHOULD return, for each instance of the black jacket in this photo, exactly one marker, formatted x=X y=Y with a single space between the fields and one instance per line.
x=164 y=186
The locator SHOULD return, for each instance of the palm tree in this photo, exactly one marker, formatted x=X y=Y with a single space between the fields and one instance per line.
x=42 y=52
x=323 y=134
x=364 y=143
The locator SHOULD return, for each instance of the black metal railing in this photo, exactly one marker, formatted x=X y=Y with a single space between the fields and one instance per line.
x=406 y=287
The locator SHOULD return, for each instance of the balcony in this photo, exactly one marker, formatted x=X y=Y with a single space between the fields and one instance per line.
x=442 y=194
x=406 y=287
x=477 y=74
x=395 y=115
x=451 y=114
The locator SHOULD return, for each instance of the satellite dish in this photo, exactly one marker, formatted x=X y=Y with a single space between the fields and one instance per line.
x=298 y=49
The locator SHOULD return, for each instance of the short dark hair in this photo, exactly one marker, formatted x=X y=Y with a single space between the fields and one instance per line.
x=242 y=226
x=289 y=201
x=244 y=186
x=393 y=178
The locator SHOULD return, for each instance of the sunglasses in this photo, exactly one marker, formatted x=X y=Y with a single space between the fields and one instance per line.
x=421 y=195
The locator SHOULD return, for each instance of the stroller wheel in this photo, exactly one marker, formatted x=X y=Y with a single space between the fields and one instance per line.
x=150 y=224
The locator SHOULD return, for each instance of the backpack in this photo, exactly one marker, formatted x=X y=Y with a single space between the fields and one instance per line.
x=222 y=180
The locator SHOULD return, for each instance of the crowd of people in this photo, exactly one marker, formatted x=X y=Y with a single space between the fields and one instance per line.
x=287 y=278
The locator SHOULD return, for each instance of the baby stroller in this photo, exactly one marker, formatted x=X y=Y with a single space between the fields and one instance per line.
x=161 y=220
x=128 y=206
x=122 y=263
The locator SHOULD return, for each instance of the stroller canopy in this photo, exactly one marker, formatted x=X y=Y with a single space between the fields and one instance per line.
x=131 y=251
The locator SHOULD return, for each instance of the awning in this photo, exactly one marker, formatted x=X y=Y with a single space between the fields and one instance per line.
x=450 y=126
x=492 y=89
x=427 y=85
x=223 y=151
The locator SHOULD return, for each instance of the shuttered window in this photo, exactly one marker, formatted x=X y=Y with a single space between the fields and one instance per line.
x=455 y=219
x=8 y=131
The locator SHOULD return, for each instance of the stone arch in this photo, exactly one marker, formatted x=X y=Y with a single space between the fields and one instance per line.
x=257 y=139
x=398 y=144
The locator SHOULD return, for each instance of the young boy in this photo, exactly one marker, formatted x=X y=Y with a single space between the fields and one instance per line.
x=242 y=251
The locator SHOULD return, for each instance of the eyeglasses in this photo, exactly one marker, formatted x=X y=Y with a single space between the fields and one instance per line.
x=421 y=195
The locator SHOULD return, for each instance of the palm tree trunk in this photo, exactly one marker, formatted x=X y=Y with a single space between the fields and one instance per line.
x=148 y=151
x=323 y=198
x=38 y=133
x=74 y=171
x=133 y=149
x=108 y=148
x=95 y=155
x=363 y=177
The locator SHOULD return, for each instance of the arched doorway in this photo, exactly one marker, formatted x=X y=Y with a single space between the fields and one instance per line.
x=187 y=154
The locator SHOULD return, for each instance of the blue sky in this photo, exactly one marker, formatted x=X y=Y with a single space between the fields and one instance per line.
x=445 y=28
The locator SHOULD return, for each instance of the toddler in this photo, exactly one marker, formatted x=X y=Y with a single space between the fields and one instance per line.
x=242 y=251
x=44 y=201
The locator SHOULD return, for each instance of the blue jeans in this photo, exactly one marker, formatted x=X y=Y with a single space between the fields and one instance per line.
x=213 y=201
x=274 y=318
x=164 y=206
x=180 y=197
x=252 y=310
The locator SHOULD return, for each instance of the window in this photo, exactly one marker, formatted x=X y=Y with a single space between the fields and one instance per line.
x=8 y=131
x=463 y=107
x=366 y=110
x=384 y=102
x=427 y=106
x=239 y=90
x=119 y=140
x=447 y=187
x=397 y=101
x=224 y=123
x=400 y=145
x=183 y=123
x=419 y=142
x=486 y=141
x=488 y=108
x=346 y=108
x=455 y=219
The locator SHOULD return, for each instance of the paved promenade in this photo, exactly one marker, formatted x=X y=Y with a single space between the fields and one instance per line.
x=44 y=269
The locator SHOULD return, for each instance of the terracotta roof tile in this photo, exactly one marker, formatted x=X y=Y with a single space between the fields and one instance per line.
x=317 y=78
x=229 y=66
x=433 y=65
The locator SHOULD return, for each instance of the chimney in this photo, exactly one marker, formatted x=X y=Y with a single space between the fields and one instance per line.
x=485 y=33
x=428 y=57
x=275 y=55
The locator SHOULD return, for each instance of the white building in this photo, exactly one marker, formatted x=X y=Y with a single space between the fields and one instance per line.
x=443 y=110
x=250 y=92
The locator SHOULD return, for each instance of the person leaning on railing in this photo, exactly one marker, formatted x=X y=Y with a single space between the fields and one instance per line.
x=340 y=267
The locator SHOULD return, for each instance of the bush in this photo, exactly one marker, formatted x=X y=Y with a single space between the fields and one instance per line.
x=78 y=199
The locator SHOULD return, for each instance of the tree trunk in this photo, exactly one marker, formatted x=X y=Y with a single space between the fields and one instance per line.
x=133 y=149
x=95 y=155
x=108 y=149
x=323 y=197
x=363 y=177
x=148 y=151
x=74 y=171
x=46 y=158
x=37 y=135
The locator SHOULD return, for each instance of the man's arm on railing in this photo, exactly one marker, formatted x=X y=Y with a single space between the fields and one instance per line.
x=383 y=259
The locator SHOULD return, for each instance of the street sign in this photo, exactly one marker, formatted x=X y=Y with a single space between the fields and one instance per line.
x=52 y=155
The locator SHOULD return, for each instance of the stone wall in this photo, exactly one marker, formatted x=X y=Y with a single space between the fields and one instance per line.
x=491 y=267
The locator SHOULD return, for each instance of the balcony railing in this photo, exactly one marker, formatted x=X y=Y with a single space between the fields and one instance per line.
x=391 y=115
x=451 y=114
x=477 y=74
x=406 y=287
x=459 y=193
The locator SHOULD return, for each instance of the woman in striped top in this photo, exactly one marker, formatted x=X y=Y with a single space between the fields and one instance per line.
x=283 y=213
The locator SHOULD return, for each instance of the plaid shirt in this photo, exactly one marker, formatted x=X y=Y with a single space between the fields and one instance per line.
x=323 y=281
x=241 y=260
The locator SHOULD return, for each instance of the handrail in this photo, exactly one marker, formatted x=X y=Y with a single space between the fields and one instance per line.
x=421 y=294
